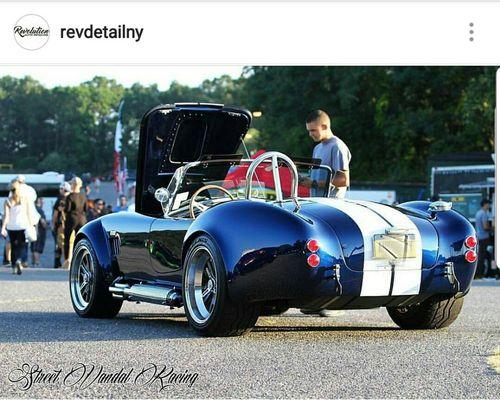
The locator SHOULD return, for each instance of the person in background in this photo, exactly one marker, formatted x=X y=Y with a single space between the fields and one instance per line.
x=6 y=252
x=26 y=190
x=16 y=219
x=75 y=210
x=6 y=248
x=332 y=151
x=131 y=197
x=122 y=205
x=29 y=193
x=98 y=210
x=483 y=230
x=38 y=246
x=58 y=218
x=97 y=184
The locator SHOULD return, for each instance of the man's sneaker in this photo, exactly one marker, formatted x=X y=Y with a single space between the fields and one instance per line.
x=330 y=313
x=322 y=312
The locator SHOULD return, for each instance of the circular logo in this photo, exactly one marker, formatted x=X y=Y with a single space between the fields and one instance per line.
x=31 y=32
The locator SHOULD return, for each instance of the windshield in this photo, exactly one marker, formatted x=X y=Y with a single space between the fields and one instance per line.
x=231 y=175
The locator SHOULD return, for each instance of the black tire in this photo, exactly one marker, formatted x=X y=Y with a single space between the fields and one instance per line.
x=99 y=302
x=270 y=310
x=225 y=317
x=434 y=313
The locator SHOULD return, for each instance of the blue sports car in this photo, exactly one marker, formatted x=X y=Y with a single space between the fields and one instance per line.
x=231 y=246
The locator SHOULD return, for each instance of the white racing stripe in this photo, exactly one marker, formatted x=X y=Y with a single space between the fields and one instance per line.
x=377 y=274
x=407 y=272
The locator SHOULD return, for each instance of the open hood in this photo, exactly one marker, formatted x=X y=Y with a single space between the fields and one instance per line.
x=172 y=135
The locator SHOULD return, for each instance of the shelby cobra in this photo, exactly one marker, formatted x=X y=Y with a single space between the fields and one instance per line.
x=228 y=249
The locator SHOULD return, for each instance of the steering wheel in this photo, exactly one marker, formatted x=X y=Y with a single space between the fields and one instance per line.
x=193 y=203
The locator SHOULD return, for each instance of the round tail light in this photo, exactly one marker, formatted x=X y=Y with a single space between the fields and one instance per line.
x=470 y=256
x=470 y=242
x=313 y=260
x=312 y=245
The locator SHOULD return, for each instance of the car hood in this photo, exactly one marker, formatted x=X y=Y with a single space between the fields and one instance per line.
x=187 y=132
x=172 y=135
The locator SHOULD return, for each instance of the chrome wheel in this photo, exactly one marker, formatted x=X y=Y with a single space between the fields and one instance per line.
x=82 y=278
x=200 y=285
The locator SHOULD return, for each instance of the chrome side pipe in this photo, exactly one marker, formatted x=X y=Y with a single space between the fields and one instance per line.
x=147 y=293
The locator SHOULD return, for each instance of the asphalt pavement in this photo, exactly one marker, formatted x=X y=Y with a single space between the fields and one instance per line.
x=150 y=351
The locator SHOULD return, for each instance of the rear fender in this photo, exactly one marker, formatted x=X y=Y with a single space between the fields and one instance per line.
x=452 y=228
x=95 y=233
x=263 y=248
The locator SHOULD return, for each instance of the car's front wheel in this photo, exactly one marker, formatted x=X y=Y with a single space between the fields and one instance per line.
x=208 y=307
x=433 y=313
x=89 y=292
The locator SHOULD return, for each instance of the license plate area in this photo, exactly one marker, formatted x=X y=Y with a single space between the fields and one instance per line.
x=394 y=246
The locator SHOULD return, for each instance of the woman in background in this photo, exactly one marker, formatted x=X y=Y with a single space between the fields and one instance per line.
x=16 y=220
x=75 y=210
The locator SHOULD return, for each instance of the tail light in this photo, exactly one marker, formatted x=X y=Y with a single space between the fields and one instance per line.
x=313 y=260
x=470 y=256
x=312 y=245
x=470 y=242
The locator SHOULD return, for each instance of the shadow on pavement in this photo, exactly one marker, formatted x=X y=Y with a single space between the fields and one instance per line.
x=21 y=327
x=323 y=328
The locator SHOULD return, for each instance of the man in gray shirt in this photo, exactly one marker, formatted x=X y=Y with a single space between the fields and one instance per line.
x=331 y=150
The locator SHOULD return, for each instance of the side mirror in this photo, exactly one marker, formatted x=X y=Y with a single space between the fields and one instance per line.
x=162 y=195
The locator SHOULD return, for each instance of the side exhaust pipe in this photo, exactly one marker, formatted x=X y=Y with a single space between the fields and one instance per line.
x=147 y=293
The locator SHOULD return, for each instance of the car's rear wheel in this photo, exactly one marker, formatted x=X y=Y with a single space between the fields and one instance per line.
x=89 y=292
x=208 y=307
x=433 y=313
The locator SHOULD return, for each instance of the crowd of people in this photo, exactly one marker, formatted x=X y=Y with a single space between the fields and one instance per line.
x=24 y=224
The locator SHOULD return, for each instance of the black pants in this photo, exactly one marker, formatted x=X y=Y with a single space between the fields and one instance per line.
x=482 y=255
x=18 y=246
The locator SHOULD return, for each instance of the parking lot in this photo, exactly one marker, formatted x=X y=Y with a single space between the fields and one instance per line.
x=354 y=354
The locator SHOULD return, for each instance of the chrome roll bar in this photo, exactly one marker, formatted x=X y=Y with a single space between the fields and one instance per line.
x=275 y=157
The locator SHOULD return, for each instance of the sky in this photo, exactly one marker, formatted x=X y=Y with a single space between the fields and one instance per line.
x=163 y=76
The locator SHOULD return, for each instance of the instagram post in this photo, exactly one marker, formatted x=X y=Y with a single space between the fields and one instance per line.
x=197 y=214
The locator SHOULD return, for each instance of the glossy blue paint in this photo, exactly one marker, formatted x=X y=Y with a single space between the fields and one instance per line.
x=452 y=228
x=339 y=228
x=263 y=248
x=430 y=240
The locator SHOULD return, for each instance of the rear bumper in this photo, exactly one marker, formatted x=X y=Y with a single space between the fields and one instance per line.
x=288 y=278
